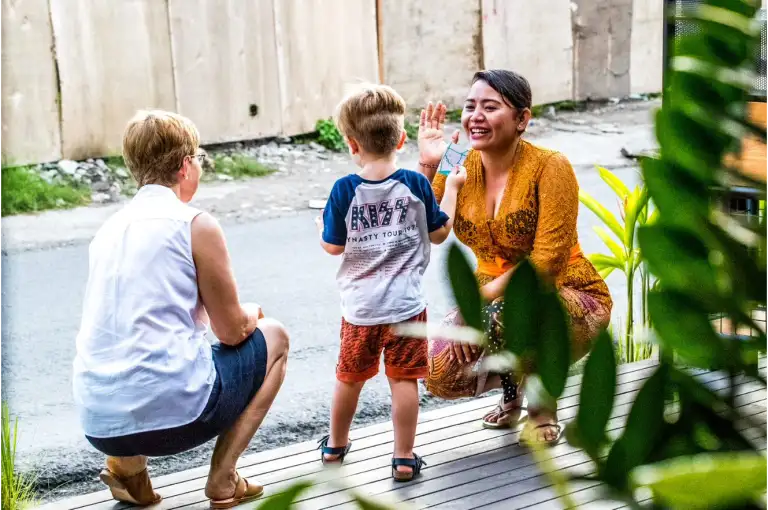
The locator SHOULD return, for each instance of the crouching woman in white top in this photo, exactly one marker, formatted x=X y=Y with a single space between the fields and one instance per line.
x=147 y=381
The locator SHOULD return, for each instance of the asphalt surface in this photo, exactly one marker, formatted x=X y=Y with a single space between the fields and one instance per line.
x=277 y=263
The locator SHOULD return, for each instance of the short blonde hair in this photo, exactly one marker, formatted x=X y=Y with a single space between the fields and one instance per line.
x=373 y=115
x=155 y=143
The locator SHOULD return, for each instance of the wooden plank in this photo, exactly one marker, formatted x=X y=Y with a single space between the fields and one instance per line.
x=465 y=460
x=225 y=64
x=114 y=58
x=30 y=120
x=646 y=58
x=287 y=469
x=626 y=372
x=507 y=32
x=448 y=45
x=367 y=465
x=321 y=47
x=497 y=492
x=277 y=478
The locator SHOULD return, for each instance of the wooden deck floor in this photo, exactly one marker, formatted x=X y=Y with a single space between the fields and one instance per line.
x=469 y=467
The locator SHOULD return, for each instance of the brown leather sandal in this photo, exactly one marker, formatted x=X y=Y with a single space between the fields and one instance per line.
x=244 y=492
x=135 y=489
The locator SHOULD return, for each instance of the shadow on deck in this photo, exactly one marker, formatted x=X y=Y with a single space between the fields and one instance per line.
x=469 y=467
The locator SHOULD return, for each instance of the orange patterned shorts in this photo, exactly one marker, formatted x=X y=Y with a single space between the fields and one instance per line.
x=361 y=348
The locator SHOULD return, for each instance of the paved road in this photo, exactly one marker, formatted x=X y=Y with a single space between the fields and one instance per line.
x=277 y=263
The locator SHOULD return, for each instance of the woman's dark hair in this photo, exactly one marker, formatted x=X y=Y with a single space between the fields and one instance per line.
x=514 y=88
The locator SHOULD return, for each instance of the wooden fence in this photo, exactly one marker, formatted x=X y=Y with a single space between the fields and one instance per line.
x=74 y=71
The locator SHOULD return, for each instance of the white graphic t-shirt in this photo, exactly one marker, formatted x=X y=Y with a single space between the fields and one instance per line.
x=384 y=227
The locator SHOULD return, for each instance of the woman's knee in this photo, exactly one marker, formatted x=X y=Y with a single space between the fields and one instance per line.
x=276 y=336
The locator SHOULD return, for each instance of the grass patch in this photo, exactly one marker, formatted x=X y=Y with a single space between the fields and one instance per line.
x=412 y=130
x=17 y=488
x=115 y=161
x=24 y=191
x=239 y=166
x=453 y=115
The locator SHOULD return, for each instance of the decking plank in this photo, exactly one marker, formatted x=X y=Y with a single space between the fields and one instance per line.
x=201 y=472
x=462 y=457
x=296 y=466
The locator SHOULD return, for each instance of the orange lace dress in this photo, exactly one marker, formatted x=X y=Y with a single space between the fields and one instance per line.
x=537 y=219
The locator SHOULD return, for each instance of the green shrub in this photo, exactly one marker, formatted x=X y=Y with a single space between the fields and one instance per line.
x=412 y=130
x=24 y=191
x=239 y=166
x=17 y=488
x=329 y=136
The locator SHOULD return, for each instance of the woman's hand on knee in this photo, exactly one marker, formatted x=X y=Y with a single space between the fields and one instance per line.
x=464 y=353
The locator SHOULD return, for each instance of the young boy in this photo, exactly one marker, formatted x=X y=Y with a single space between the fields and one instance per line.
x=382 y=221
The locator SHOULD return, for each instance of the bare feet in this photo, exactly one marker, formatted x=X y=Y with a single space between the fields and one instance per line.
x=542 y=428
x=504 y=415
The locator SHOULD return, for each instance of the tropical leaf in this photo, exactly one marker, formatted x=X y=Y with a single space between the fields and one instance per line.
x=614 y=182
x=611 y=243
x=607 y=217
x=601 y=261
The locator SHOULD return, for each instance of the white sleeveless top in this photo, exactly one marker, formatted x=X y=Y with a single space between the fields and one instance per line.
x=143 y=362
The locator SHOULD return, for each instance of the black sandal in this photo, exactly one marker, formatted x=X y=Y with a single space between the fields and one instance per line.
x=416 y=463
x=341 y=451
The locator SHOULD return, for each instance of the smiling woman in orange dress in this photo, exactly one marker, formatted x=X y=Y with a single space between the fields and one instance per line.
x=518 y=201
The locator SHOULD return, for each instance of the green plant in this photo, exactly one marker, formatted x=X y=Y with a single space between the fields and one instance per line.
x=25 y=191
x=621 y=240
x=453 y=115
x=238 y=166
x=329 y=136
x=412 y=130
x=17 y=488
x=681 y=441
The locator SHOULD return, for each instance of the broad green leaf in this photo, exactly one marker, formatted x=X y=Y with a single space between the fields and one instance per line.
x=605 y=272
x=369 y=503
x=685 y=327
x=614 y=182
x=697 y=155
x=682 y=262
x=465 y=288
x=522 y=301
x=607 y=217
x=635 y=200
x=642 y=432
x=679 y=198
x=598 y=385
x=706 y=480
x=601 y=261
x=554 y=346
x=611 y=243
x=285 y=500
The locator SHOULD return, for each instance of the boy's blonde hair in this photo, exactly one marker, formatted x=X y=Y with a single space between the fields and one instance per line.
x=373 y=115
x=155 y=143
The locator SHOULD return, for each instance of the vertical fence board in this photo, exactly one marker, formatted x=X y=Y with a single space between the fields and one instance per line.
x=533 y=39
x=322 y=46
x=647 y=46
x=602 y=34
x=30 y=119
x=225 y=67
x=431 y=50
x=114 y=58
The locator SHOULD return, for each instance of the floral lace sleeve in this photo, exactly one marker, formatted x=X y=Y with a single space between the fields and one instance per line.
x=558 y=193
x=438 y=186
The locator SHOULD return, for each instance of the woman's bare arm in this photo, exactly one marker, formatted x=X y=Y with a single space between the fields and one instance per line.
x=231 y=322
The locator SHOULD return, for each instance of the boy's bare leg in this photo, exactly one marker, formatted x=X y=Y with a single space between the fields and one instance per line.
x=405 y=416
x=343 y=409
x=222 y=478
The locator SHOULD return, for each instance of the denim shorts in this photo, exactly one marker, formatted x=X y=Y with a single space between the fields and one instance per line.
x=240 y=372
